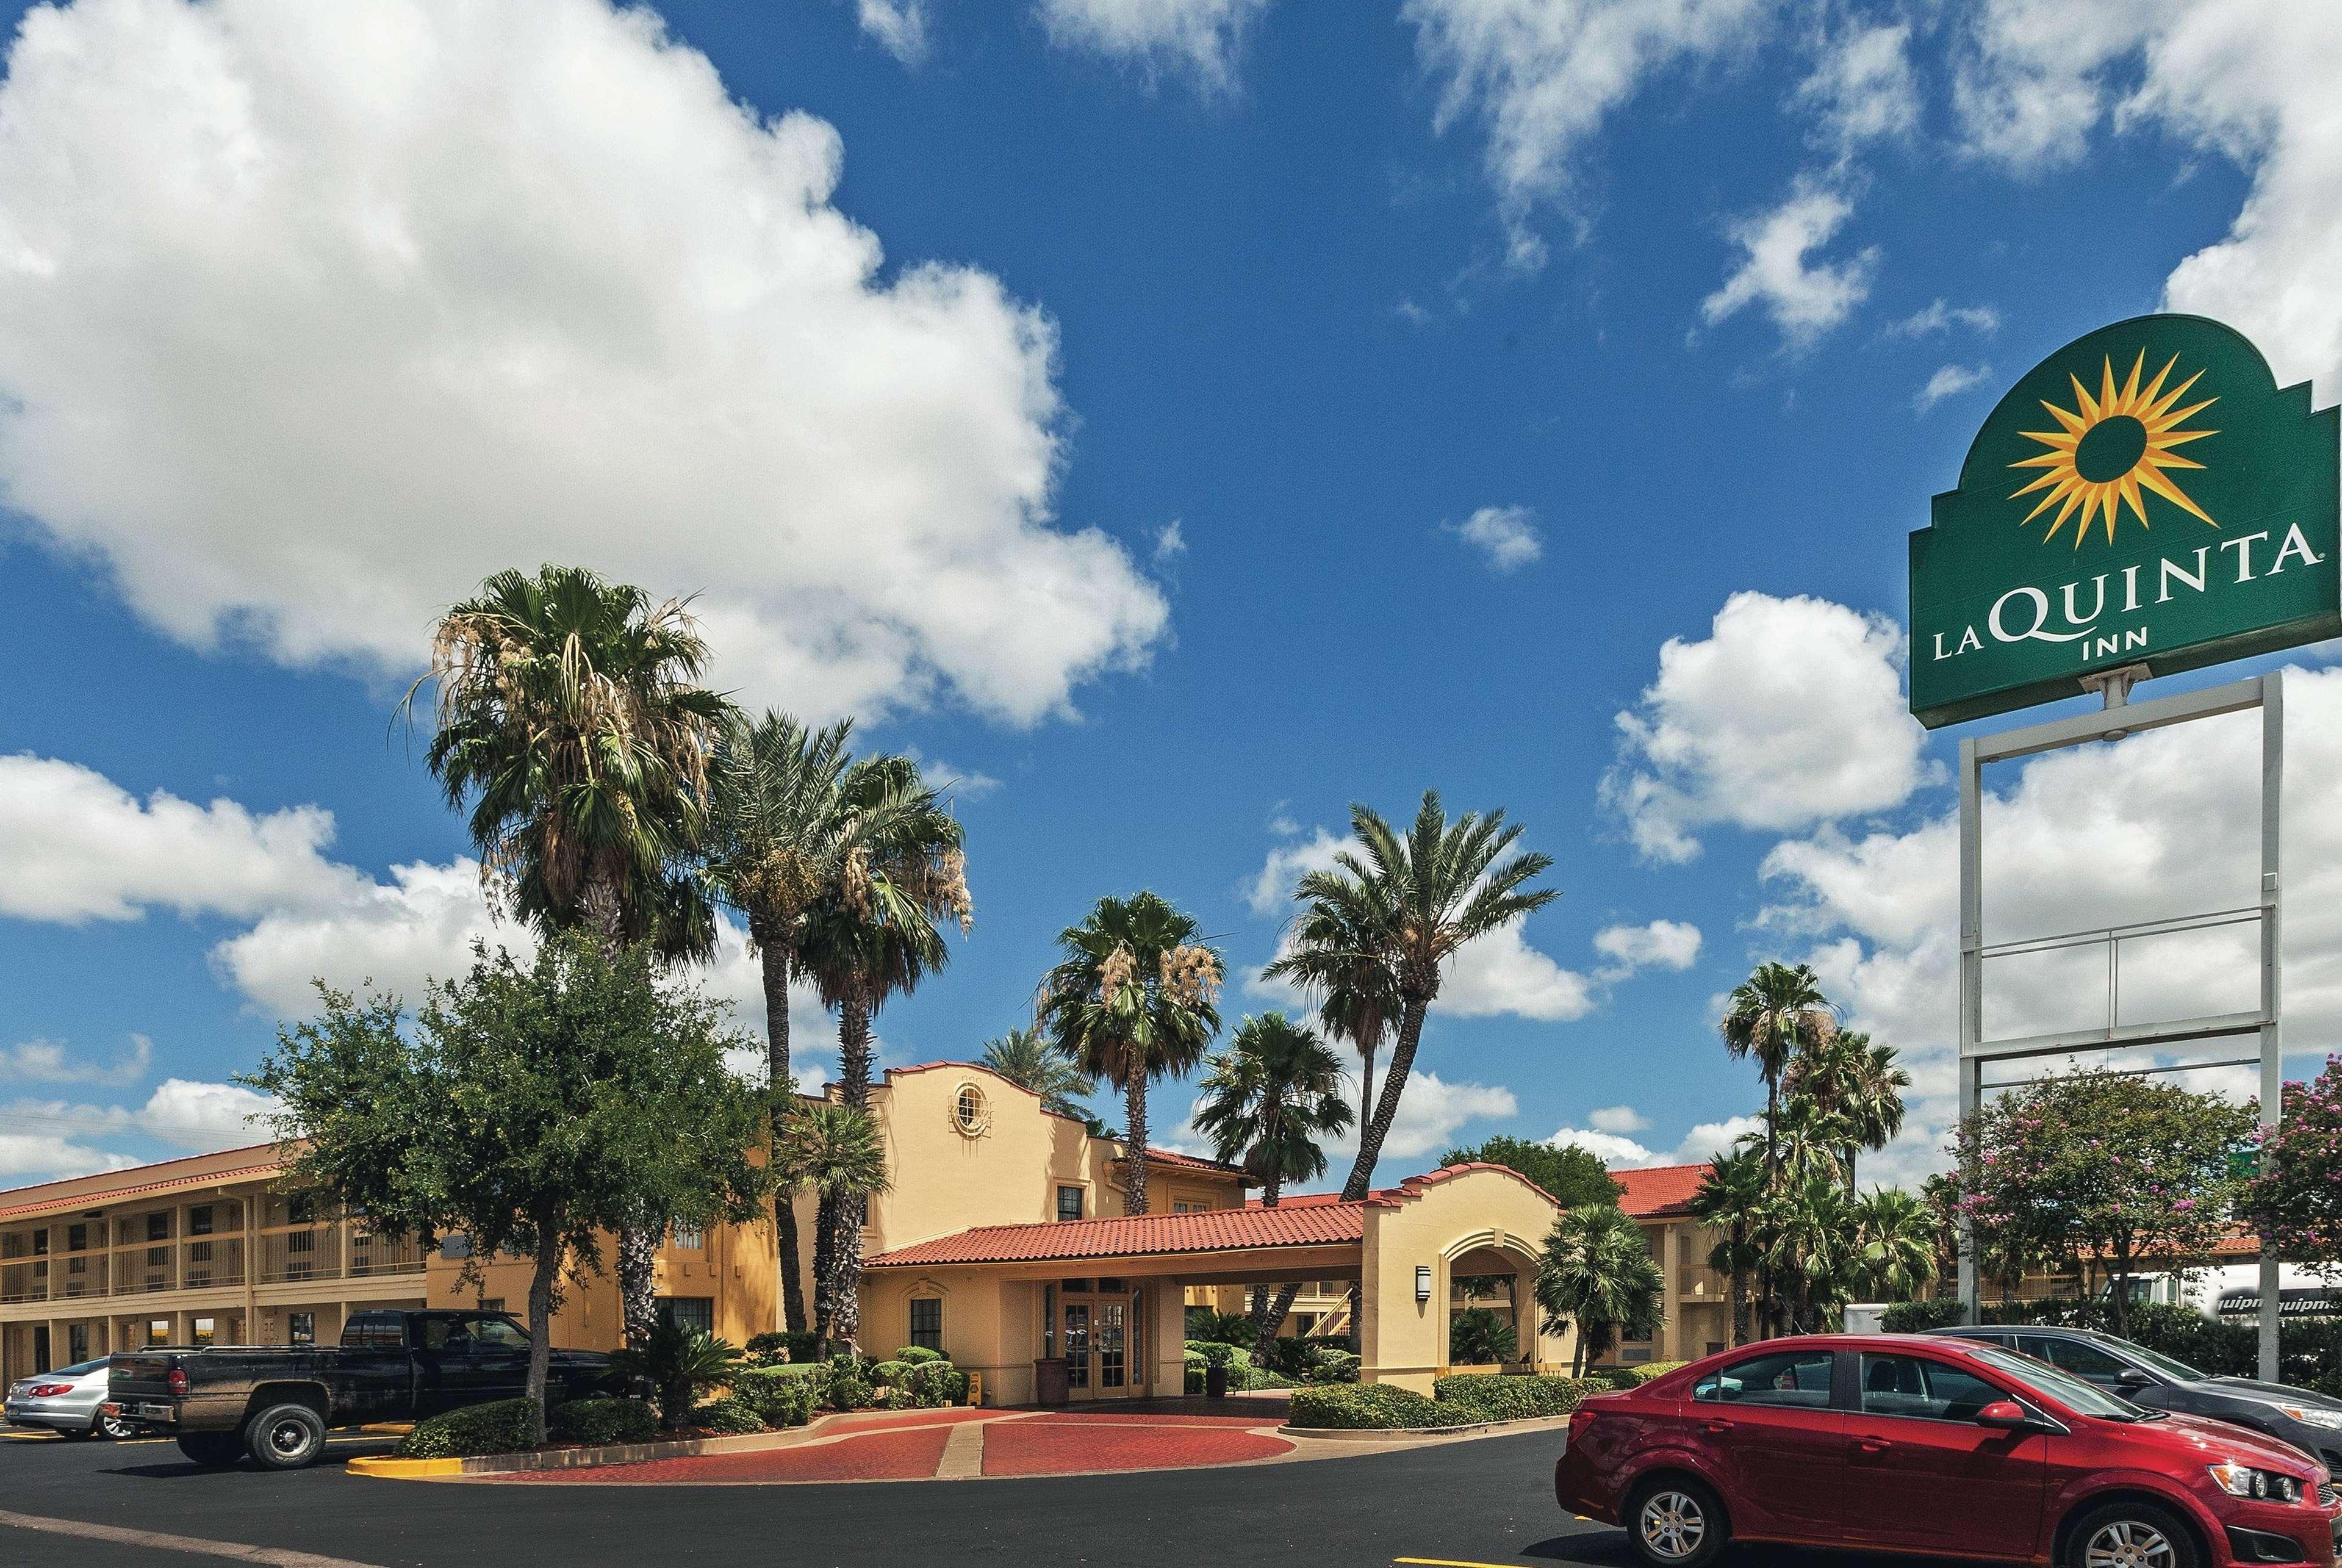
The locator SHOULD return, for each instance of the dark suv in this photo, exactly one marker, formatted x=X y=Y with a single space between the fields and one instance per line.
x=2310 y=1421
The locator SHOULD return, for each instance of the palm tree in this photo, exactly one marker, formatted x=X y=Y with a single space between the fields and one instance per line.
x=1895 y=1234
x=569 y=716
x=1811 y=1247
x=1731 y=1198
x=778 y=835
x=1361 y=1008
x=874 y=937
x=1777 y=1012
x=834 y=1151
x=1026 y=1058
x=1132 y=1000
x=1386 y=919
x=1267 y=1102
x=1860 y=1082
x=1597 y=1271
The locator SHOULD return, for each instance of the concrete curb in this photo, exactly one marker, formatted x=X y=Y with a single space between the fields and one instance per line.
x=1425 y=1434
x=391 y=1468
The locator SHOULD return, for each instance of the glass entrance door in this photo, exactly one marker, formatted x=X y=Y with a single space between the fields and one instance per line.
x=1097 y=1333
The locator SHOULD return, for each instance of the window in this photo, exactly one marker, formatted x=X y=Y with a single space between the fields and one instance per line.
x=77 y=1341
x=76 y=1238
x=301 y=1208
x=2079 y=1357
x=1797 y=1378
x=40 y=1244
x=301 y=1242
x=205 y=1331
x=927 y=1324
x=696 y=1314
x=496 y=1334
x=492 y=1303
x=968 y=1110
x=454 y=1244
x=1926 y=1390
x=158 y=1227
x=1069 y=1202
x=687 y=1239
x=199 y=1221
x=158 y=1331
x=303 y=1329
x=365 y=1331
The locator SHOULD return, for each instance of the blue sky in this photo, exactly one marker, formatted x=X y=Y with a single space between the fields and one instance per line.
x=1257 y=407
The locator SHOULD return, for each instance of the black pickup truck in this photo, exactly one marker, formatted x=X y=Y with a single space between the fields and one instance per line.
x=277 y=1402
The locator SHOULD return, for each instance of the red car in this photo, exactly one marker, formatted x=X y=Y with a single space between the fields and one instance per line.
x=1896 y=1443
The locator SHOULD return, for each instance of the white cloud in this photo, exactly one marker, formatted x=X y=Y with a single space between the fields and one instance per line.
x=1612 y=1149
x=1542 y=76
x=1950 y=381
x=1804 y=300
x=1863 y=88
x=184 y=1113
x=1271 y=891
x=29 y=1157
x=1942 y=316
x=1170 y=543
x=52 y=1061
x=1620 y=1118
x=1500 y=974
x=1507 y=535
x=1789 y=713
x=76 y=847
x=1203 y=39
x=2162 y=824
x=1431 y=1111
x=312 y=317
x=1662 y=944
x=897 y=27
x=2249 y=80
x=395 y=937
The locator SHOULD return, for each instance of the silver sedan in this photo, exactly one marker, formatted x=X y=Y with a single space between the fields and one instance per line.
x=66 y=1401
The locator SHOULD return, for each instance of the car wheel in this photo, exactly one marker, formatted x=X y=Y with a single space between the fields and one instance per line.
x=212 y=1448
x=2131 y=1535
x=115 y=1427
x=1676 y=1521
x=284 y=1437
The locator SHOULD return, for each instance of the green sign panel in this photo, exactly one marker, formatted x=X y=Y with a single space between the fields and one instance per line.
x=2146 y=495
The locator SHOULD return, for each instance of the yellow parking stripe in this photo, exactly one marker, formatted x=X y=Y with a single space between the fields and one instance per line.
x=1449 y=1562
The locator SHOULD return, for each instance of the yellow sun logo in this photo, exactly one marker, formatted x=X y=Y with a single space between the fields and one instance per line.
x=2111 y=447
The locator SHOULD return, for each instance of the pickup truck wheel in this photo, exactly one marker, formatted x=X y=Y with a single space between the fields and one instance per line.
x=284 y=1437
x=212 y=1448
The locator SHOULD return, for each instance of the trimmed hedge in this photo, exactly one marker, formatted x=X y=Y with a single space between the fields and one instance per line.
x=1371 y=1406
x=499 y=1427
x=1494 y=1396
x=600 y=1421
x=846 y=1388
x=727 y=1417
x=1636 y=1375
x=931 y=1385
x=915 y=1354
x=889 y=1374
x=780 y=1396
x=779 y=1348
x=2309 y=1352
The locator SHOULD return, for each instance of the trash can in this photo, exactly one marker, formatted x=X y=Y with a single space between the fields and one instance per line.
x=1050 y=1380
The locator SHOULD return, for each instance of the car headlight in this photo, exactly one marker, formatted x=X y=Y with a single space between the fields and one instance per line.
x=2314 y=1415
x=2244 y=1481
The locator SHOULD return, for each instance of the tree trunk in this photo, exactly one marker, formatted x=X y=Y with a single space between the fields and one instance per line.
x=775 y=958
x=637 y=1247
x=837 y=1265
x=853 y=1060
x=1265 y=1322
x=1371 y=1136
x=1739 y=1290
x=825 y=1251
x=845 y=1271
x=1366 y=1087
x=1134 y=1100
x=540 y=1325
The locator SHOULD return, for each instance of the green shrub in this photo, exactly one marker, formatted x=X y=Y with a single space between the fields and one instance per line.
x=2309 y=1352
x=888 y=1375
x=846 y=1388
x=781 y=1396
x=728 y=1417
x=931 y=1385
x=1216 y=1353
x=1918 y=1317
x=500 y=1427
x=1332 y=1366
x=1493 y=1396
x=597 y=1421
x=917 y=1353
x=1222 y=1328
x=1636 y=1375
x=680 y=1364
x=1479 y=1337
x=1355 y=1407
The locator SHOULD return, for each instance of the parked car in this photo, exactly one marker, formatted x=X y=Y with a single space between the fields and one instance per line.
x=277 y=1402
x=1937 y=1447
x=66 y=1401
x=2310 y=1421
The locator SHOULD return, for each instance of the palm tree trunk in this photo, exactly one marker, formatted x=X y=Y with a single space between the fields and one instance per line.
x=1264 y=1321
x=825 y=1249
x=1739 y=1290
x=838 y=1281
x=1371 y=1136
x=844 y=1276
x=1134 y=1100
x=776 y=959
x=540 y=1325
x=1367 y=1086
x=853 y=1060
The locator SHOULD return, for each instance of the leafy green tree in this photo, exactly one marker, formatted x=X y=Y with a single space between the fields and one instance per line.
x=778 y=836
x=1895 y=1238
x=879 y=935
x=570 y=716
x=1807 y=1242
x=1731 y=1199
x=1477 y=1337
x=680 y=1364
x=2105 y=1170
x=533 y=1109
x=834 y=1151
x=2294 y=1200
x=1267 y=1102
x=1597 y=1272
x=1858 y=1082
x=1030 y=1060
x=1574 y=1176
x=1134 y=999
x=1389 y=917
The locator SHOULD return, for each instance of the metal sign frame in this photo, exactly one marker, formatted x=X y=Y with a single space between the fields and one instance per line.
x=2120 y=718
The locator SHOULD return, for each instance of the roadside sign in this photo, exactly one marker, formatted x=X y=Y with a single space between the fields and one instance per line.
x=2147 y=496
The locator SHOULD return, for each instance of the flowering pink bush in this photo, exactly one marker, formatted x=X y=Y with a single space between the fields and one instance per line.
x=2296 y=1199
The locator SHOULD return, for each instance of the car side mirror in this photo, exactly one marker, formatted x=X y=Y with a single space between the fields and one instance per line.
x=2131 y=1377
x=2005 y=1413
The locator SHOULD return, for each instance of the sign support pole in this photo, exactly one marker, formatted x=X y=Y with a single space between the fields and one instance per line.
x=2272 y=1048
x=1971 y=998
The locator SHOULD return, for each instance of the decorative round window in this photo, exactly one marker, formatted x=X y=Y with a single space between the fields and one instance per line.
x=970 y=1114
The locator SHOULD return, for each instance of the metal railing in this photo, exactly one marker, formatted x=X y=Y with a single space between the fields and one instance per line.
x=2112 y=939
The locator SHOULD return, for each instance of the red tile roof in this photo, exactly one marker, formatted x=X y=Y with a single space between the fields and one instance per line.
x=1188 y=1162
x=1137 y=1235
x=1664 y=1192
x=97 y=1197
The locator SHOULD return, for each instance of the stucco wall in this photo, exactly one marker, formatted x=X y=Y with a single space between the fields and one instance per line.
x=1432 y=1222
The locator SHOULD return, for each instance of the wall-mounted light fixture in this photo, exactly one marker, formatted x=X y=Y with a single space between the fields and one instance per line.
x=1422 y=1283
